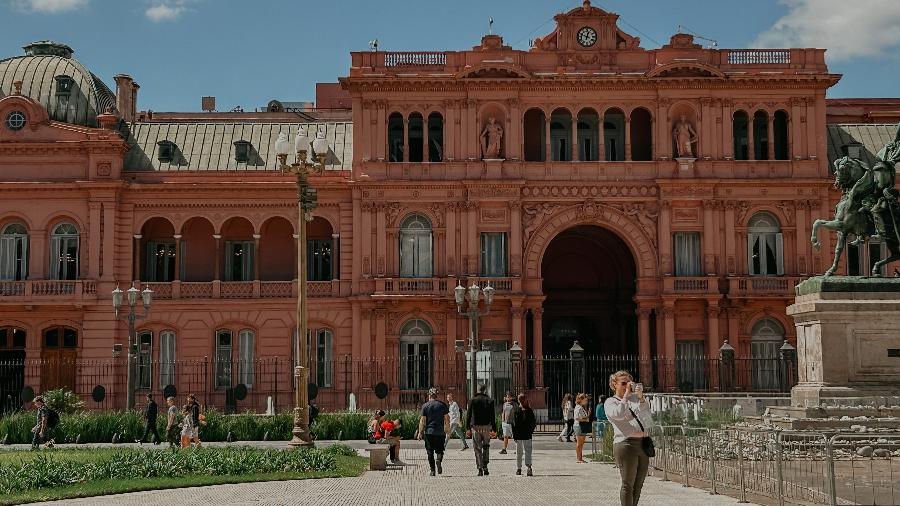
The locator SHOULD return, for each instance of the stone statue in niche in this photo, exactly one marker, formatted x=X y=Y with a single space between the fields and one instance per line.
x=685 y=137
x=491 y=136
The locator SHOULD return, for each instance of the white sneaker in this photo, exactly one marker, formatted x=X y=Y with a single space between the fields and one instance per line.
x=559 y=438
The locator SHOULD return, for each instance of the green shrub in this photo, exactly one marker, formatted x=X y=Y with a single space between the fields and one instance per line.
x=340 y=451
x=63 y=401
x=45 y=471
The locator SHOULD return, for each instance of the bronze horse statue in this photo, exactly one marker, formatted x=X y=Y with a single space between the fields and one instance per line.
x=864 y=202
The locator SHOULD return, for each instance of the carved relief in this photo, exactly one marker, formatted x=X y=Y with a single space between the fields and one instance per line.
x=392 y=210
x=493 y=215
x=438 y=210
x=104 y=169
x=515 y=265
x=787 y=208
x=381 y=265
x=686 y=215
x=365 y=266
x=493 y=191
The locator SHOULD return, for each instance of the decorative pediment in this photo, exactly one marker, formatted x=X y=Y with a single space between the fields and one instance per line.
x=586 y=28
x=685 y=69
x=493 y=71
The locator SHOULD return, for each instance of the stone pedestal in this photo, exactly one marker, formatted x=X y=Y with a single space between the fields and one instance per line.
x=848 y=339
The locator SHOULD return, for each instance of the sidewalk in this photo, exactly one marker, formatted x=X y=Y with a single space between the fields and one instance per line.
x=558 y=480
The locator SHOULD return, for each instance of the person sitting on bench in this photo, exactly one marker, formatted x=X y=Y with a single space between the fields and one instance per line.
x=382 y=431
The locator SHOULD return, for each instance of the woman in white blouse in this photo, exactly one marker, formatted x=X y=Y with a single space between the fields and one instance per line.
x=629 y=413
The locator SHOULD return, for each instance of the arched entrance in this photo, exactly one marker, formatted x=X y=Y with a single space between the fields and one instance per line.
x=589 y=282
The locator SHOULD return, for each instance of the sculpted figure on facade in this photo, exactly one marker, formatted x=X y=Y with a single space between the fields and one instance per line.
x=685 y=137
x=491 y=136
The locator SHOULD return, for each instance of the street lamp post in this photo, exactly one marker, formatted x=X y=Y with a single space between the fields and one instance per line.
x=306 y=196
x=131 y=297
x=473 y=313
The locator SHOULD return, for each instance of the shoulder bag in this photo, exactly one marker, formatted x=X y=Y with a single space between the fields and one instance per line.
x=646 y=441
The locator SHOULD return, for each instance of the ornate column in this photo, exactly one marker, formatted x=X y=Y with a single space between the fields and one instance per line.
x=705 y=127
x=107 y=265
x=450 y=247
x=548 y=154
x=709 y=238
x=537 y=334
x=380 y=234
x=473 y=146
x=601 y=149
x=662 y=134
x=668 y=312
x=728 y=128
x=425 y=140
x=665 y=237
x=474 y=243
x=256 y=238
x=405 y=138
x=643 y=314
x=365 y=238
x=218 y=262
x=95 y=233
x=381 y=130
x=380 y=340
x=178 y=258
x=335 y=256
x=770 y=136
x=516 y=318
x=574 y=139
x=365 y=333
x=627 y=138
x=713 y=339
x=137 y=257
x=515 y=238
x=730 y=250
x=513 y=142
x=751 y=146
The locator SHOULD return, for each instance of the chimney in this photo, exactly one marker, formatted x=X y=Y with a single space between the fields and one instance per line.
x=126 y=96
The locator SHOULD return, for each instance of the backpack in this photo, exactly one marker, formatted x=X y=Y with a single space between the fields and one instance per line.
x=52 y=418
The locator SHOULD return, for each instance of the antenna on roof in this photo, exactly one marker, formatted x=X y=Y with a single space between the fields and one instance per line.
x=490 y=26
x=373 y=45
x=684 y=29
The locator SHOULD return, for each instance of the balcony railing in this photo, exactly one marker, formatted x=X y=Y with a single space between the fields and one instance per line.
x=414 y=59
x=762 y=285
x=694 y=284
x=238 y=289
x=441 y=286
x=74 y=290
x=759 y=56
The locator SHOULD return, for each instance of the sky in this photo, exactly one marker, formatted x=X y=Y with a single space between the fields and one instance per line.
x=247 y=52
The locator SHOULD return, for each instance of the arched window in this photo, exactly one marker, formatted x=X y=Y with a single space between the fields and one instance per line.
x=64 y=252
x=533 y=126
x=739 y=130
x=144 y=359
x=167 y=358
x=415 y=355
x=614 y=135
x=14 y=252
x=765 y=246
x=641 y=135
x=588 y=135
x=395 y=137
x=780 y=134
x=415 y=247
x=561 y=135
x=416 y=137
x=761 y=135
x=435 y=137
x=765 y=341
x=324 y=360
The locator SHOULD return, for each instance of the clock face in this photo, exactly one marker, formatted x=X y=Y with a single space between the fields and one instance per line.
x=587 y=36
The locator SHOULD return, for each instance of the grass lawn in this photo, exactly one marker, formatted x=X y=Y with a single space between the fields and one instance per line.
x=347 y=467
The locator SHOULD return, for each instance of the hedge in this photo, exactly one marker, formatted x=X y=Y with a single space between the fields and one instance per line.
x=100 y=426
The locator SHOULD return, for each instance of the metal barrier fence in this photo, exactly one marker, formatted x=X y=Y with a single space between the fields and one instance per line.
x=791 y=467
x=379 y=383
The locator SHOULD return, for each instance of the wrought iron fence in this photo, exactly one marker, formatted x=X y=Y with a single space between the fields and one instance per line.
x=381 y=383
x=792 y=467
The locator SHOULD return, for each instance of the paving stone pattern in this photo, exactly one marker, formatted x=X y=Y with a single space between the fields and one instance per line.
x=558 y=480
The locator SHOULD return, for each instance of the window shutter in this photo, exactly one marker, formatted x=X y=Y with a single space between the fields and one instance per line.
x=779 y=252
x=7 y=257
x=246 y=357
x=407 y=247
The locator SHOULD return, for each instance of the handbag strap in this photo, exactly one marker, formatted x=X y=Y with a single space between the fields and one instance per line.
x=636 y=418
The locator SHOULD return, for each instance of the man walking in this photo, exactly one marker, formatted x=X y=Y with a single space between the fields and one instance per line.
x=150 y=413
x=454 y=423
x=506 y=420
x=482 y=427
x=171 y=422
x=434 y=424
x=41 y=430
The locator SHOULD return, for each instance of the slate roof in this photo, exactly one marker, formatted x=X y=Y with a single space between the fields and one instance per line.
x=88 y=98
x=209 y=146
x=873 y=137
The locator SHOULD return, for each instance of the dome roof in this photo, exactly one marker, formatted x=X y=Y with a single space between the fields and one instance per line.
x=49 y=74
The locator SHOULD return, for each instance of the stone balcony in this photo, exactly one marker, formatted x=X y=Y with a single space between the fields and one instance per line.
x=700 y=286
x=182 y=290
x=762 y=286
x=40 y=291
x=441 y=287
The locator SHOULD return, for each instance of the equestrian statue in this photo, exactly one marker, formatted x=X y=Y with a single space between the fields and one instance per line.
x=869 y=207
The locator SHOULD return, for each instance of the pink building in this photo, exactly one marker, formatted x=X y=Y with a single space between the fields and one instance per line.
x=650 y=203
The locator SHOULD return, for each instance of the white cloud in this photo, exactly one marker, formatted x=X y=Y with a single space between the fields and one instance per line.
x=165 y=10
x=49 y=6
x=847 y=29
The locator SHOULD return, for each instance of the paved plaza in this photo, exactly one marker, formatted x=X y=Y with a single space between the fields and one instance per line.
x=558 y=480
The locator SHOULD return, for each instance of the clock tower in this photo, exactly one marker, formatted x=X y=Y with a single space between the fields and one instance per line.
x=586 y=28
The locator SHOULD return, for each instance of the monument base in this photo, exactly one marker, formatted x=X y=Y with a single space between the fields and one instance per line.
x=848 y=340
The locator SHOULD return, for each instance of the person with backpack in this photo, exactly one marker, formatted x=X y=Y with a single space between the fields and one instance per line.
x=47 y=419
x=150 y=414
x=523 y=427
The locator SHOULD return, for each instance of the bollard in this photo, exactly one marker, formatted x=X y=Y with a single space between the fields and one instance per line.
x=829 y=471
x=742 y=492
x=684 y=458
x=779 y=472
x=712 y=464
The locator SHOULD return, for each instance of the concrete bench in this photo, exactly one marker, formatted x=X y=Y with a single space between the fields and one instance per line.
x=378 y=455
